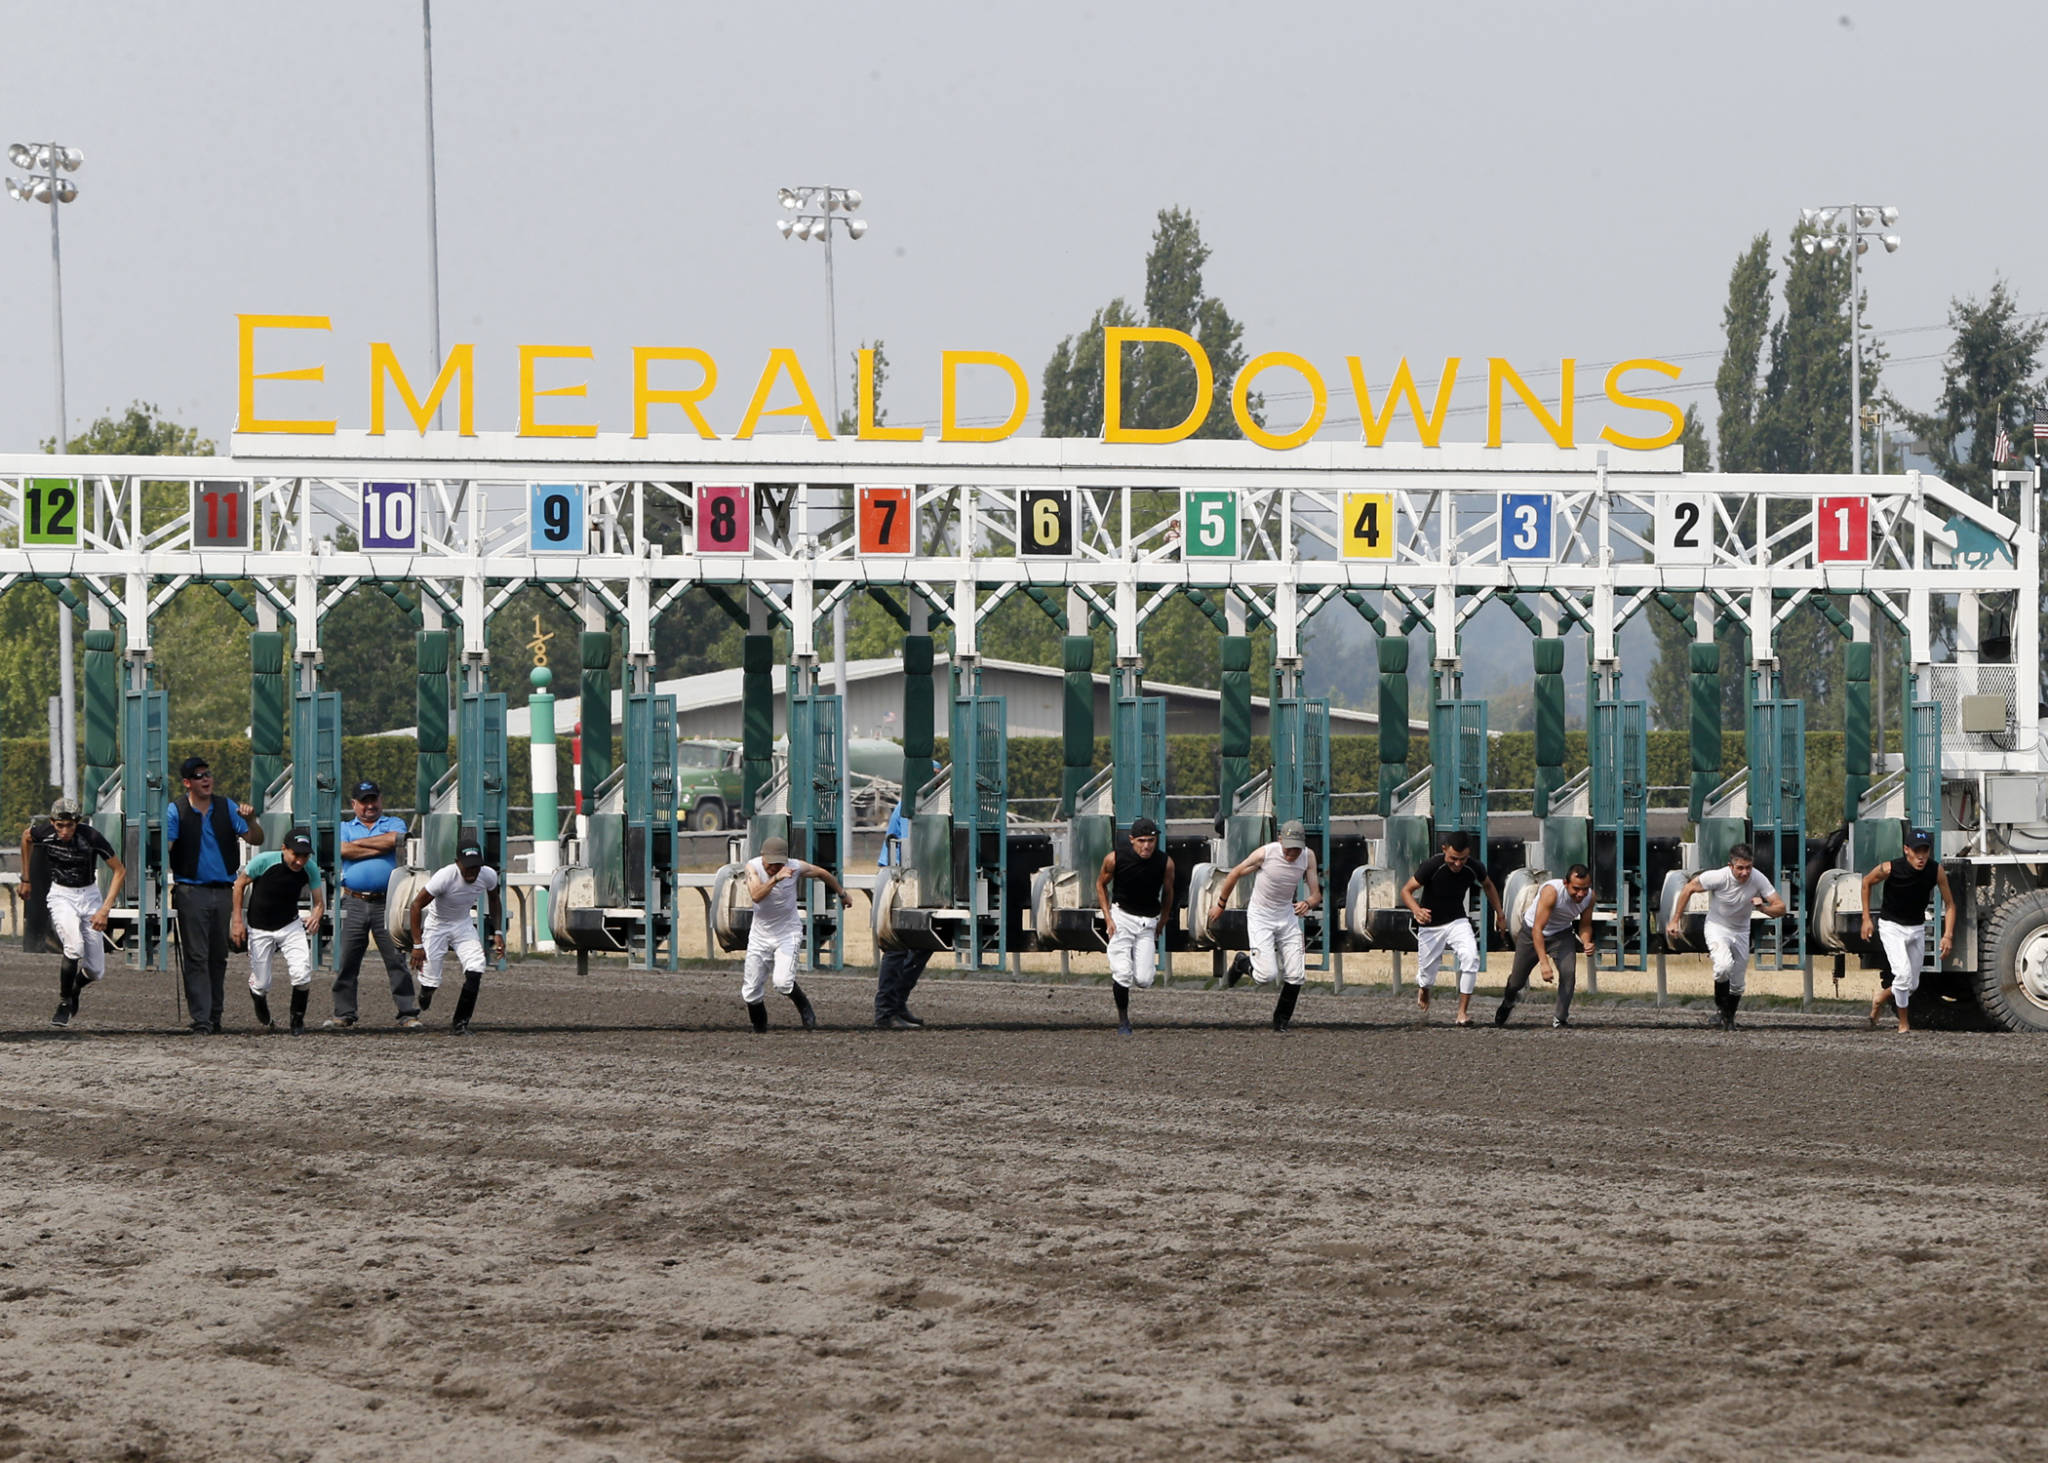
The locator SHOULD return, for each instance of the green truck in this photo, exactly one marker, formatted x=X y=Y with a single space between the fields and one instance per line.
x=708 y=780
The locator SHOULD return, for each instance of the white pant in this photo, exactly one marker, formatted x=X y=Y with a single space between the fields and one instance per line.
x=1905 y=946
x=1730 y=954
x=1430 y=943
x=1134 y=949
x=71 y=912
x=769 y=957
x=290 y=942
x=439 y=940
x=1276 y=947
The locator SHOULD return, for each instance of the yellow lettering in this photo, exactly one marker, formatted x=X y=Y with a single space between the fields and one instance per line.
x=528 y=355
x=780 y=360
x=461 y=363
x=246 y=375
x=1374 y=425
x=1559 y=427
x=950 y=429
x=1627 y=401
x=868 y=430
x=1240 y=399
x=1114 y=339
x=645 y=396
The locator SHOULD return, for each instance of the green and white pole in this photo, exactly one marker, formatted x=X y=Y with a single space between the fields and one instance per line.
x=547 y=831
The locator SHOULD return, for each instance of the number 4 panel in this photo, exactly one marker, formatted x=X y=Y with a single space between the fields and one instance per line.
x=1685 y=530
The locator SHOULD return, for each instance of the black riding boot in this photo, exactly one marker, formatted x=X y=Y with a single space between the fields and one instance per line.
x=1123 y=1007
x=757 y=1012
x=1721 y=998
x=1283 y=1009
x=804 y=1013
x=427 y=996
x=465 y=1004
x=69 y=982
x=301 y=994
x=262 y=1004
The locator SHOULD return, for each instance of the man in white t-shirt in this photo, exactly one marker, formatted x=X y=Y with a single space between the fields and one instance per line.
x=444 y=921
x=1735 y=896
x=1273 y=914
x=777 y=930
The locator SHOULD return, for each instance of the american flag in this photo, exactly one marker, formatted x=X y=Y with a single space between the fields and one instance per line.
x=2001 y=445
x=2041 y=424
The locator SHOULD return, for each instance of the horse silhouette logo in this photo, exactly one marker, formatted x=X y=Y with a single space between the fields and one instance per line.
x=1976 y=546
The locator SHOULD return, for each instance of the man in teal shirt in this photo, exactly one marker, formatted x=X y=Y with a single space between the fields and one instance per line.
x=370 y=847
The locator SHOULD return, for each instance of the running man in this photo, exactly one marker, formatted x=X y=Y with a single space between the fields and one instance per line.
x=266 y=914
x=1446 y=882
x=78 y=914
x=776 y=930
x=1901 y=924
x=1133 y=890
x=444 y=921
x=1273 y=916
x=1735 y=895
x=1560 y=904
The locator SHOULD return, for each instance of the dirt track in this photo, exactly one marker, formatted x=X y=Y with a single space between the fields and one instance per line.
x=611 y=1224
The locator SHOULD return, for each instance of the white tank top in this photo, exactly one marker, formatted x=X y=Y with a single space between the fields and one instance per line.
x=1274 y=893
x=1563 y=914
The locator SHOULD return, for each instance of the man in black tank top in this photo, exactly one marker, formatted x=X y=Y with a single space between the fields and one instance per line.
x=1134 y=890
x=59 y=866
x=1900 y=927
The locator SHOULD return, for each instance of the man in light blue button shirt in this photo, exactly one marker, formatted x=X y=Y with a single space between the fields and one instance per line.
x=370 y=847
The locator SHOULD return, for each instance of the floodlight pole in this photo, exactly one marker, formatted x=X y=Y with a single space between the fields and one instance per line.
x=433 y=205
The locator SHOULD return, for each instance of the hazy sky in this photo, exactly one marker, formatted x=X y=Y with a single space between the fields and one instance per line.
x=1564 y=178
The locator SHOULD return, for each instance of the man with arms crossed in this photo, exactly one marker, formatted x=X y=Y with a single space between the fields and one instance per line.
x=1541 y=944
x=448 y=903
x=1142 y=877
x=1445 y=882
x=78 y=914
x=776 y=929
x=1734 y=896
x=266 y=914
x=200 y=831
x=370 y=845
x=1273 y=917
x=1901 y=925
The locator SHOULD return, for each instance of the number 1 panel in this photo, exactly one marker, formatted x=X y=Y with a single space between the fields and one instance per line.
x=724 y=518
x=1841 y=530
x=555 y=518
x=1685 y=530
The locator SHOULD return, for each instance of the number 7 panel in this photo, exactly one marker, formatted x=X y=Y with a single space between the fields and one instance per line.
x=884 y=522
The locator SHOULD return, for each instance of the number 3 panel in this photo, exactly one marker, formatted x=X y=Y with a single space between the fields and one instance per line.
x=724 y=518
x=1685 y=530
x=884 y=521
x=1528 y=528
x=1045 y=523
x=555 y=518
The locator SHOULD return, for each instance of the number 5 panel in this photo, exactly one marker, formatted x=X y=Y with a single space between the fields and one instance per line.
x=555 y=518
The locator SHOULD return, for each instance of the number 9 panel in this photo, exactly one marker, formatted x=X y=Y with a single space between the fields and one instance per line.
x=555 y=518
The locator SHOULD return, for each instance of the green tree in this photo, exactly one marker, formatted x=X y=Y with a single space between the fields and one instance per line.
x=1988 y=382
x=1738 y=384
x=849 y=417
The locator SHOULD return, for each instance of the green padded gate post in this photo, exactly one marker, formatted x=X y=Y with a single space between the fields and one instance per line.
x=595 y=647
x=1856 y=727
x=1548 y=653
x=757 y=716
x=918 y=701
x=1706 y=722
x=102 y=711
x=1077 y=718
x=431 y=712
x=1393 y=659
x=266 y=712
x=1234 y=740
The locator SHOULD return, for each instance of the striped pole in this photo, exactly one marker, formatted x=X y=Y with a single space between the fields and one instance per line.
x=547 y=848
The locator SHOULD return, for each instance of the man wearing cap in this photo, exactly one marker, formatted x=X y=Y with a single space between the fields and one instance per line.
x=1901 y=923
x=1735 y=896
x=370 y=845
x=776 y=929
x=1273 y=916
x=447 y=901
x=897 y=971
x=1133 y=890
x=266 y=914
x=201 y=830
x=78 y=914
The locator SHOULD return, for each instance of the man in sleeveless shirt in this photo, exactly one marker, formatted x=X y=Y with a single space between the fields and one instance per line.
x=777 y=930
x=201 y=831
x=1446 y=882
x=1735 y=896
x=78 y=912
x=1901 y=924
x=1545 y=942
x=1273 y=916
x=1133 y=890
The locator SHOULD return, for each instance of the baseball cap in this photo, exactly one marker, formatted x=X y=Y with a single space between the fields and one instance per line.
x=192 y=767
x=64 y=808
x=470 y=847
x=1144 y=828
x=775 y=850
x=299 y=841
x=1292 y=835
x=1919 y=838
x=366 y=789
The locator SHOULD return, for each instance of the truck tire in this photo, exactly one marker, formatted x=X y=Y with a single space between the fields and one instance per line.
x=2012 y=964
x=708 y=816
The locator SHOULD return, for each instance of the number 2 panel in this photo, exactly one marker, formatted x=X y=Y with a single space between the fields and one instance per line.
x=724 y=518
x=1685 y=530
x=883 y=518
x=555 y=518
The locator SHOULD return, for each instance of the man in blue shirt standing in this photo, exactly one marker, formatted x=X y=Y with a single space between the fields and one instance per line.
x=370 y=846
x=200 y=831
x=897 y=971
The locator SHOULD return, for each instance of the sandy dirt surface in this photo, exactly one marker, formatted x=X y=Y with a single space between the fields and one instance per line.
x=612 y=1224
